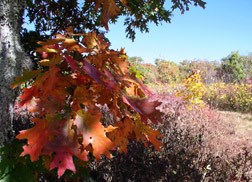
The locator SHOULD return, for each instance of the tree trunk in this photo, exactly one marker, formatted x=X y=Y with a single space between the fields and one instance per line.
x=13 y=61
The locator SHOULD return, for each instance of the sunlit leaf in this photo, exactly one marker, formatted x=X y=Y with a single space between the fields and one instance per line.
x=93 y=132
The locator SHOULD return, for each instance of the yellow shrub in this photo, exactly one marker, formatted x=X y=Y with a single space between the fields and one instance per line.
x=193 y=90
x=235 y=97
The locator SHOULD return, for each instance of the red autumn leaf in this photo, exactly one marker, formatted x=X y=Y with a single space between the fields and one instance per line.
x=67 y=43
x=145 y=107
x=49 y=92
x=110 y=81
x=90 y=40
x=72 y=62
x=47 y=50
x=152 y=136
x=135 y=87
x=83 y=96
x=27 y=95
x=97 y=76
x=51 y=62
x=51 y=105
x=78 y=48
x=81 y=79
x=95 y=42
x=51 y=42
x=145 y=89
x=119 y=60
x=50 y=80
x=101 y=92
x=51 y=135
x=63 y=160
x=92 y=72
x=103 y=44
x=134 y=129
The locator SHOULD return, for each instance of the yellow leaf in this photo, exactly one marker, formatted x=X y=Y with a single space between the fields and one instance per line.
x=44 y=49
x=69 y=42
x=51 y=42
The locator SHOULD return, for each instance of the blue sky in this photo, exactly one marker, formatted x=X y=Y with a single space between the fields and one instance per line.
x=210 y=34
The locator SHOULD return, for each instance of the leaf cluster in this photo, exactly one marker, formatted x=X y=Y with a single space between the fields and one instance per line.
x=73 y=81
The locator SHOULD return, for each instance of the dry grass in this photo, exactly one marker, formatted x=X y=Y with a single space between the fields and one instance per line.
x=241 y=121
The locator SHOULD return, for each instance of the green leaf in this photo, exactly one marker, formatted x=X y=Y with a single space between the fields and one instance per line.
x=136 y=72
x=19 y=173
x=14 y=168
x=26 y=77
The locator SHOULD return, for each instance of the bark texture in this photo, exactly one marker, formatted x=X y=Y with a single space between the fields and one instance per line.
x=13 y=61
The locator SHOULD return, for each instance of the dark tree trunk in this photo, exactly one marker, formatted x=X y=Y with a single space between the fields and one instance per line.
x=13 y=61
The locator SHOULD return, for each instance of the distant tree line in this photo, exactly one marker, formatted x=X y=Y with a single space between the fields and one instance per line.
x=234 y=68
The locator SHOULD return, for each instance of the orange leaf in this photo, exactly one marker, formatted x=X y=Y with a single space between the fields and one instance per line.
x=121 y=133
x=82 y=96
x=93 y=132
x=109 y=10
x=134 y=129
x=45 y=49
x=38 y=137
x=52 y=135
x=69 y=42
x=90 y=40
x=146 y=134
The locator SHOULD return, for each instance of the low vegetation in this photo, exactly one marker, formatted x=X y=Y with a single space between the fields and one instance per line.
x=229 y=97
x=200 y=144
